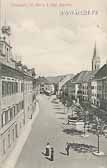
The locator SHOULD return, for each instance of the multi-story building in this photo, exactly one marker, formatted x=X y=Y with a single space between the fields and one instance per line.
x=81 y=86
x=101 y=81
x=16 y=95
x=78 y=87
x=49 y=88
x=94 y=85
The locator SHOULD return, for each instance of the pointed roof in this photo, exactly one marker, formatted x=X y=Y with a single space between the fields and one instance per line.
x=94 y=53
x=102 y=72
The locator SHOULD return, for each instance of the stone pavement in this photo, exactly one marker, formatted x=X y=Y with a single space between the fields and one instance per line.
x=50 y=126
x=12 y=159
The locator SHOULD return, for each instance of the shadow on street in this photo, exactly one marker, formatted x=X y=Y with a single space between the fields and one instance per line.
x=61 y=118
x=60 y=113
x=72 y=131
x=62 y=153
x=58 y=108
x=82 y=148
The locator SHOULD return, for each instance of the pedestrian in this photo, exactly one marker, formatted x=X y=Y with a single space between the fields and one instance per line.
x=67 y=148
x=52 y=154
x=47 y=149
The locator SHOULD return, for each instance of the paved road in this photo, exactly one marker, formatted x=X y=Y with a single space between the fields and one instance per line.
x=48 y=127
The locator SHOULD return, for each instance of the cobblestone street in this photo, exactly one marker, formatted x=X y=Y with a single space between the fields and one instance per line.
x=50 y=126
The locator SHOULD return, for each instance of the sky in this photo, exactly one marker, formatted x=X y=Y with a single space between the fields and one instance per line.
x=52 y=41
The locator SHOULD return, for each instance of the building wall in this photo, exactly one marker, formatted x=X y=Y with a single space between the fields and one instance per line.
x=28 y=97
x=85 y=91
x=99 y=92
x=49 y=88
x=16 y=96
x=103 y=99
x=11 y=108
x=94 y=92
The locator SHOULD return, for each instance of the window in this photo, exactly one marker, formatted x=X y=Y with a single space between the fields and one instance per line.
x=16 y=87
x=16 y=132
x=11 y=113
x=3 y=88
x=14 y=110
x=18 y=108
x=3 y=119
x=4 y=146
x=6 y=117
x=2 y=48
x=22 y=87
x=22 y=105
x=13 y=134
x=12 y=88
x=9 y=88
x=9 y=140
x=9 y=116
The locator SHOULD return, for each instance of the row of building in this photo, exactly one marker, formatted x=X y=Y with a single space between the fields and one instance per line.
x=17 y=95
x=88 y=86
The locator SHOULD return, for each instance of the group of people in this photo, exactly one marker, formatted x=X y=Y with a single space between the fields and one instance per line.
x=49 y=152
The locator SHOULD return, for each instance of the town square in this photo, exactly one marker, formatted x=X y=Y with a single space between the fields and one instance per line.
x=53 y=84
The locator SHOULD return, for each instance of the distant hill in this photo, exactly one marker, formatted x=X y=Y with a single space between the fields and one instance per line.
x=41 y=80
x=57 y=79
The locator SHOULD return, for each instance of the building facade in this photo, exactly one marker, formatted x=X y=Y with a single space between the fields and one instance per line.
x=94 y=92
x=101 y=81
x=16 y=96
x=49 y=88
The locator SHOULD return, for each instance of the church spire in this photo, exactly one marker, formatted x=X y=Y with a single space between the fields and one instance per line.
x=95 y=59
x=94 y=54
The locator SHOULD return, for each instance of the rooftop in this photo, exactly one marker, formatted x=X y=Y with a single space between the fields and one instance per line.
x=83 y=76
x=102 y=72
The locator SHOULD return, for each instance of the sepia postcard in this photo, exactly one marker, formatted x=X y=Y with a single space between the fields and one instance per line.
x=53 y=84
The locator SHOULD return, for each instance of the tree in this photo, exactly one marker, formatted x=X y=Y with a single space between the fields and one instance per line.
x=99 y=130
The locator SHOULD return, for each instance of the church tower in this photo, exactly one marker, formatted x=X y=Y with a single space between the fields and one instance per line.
x=95 y=60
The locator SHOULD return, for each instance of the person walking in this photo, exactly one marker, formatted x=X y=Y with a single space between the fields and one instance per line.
x=67 y=148
x=47 y=149
x=52 y=154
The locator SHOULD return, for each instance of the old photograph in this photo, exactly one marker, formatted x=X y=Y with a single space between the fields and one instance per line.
x=53 y=84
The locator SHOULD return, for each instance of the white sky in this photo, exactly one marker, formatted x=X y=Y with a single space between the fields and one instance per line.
x=56 y=44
